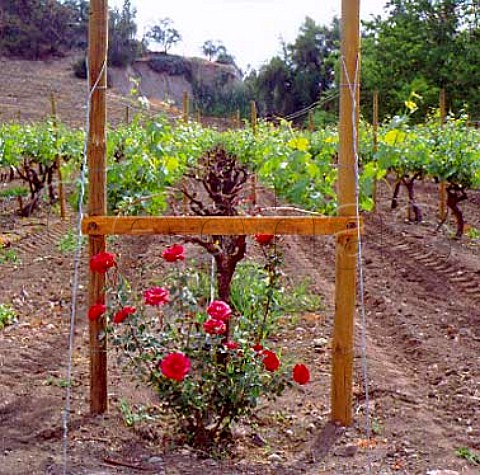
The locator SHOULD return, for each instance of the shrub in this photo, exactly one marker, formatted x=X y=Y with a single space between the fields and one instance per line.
x=177 y=344
x=172 y=65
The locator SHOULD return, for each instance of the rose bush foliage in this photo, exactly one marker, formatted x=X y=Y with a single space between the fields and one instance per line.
x=177 y=345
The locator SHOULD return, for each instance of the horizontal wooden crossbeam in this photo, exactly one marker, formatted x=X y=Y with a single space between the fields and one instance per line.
x=231 y=225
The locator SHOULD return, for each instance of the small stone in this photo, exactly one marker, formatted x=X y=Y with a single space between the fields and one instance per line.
x=347 y=451
x=258 y=440
x=155 y=460
x=319 y=344
x=274 y=458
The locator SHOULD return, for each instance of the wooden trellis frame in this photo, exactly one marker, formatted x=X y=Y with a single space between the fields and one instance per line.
x=97 y=225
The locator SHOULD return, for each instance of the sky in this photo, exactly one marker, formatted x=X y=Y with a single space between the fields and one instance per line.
x=250 y=29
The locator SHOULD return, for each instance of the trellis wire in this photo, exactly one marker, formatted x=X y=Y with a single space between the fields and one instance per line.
x=306 y=110
x=76 y=272
x=352 y=87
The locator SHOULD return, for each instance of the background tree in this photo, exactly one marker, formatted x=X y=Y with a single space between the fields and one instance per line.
x=35 y=29
x=78 y=21
x=211 y=49
x=164 y=34
x=123 y=45
x=422 y=46
x=305 y=70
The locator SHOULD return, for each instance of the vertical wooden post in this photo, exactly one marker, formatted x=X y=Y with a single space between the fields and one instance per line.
x=346 y=248
x=96 y=152
x=311 y=125
x=186 y=111
x=61 y=191
x=253 y=120
x=375 y=144
x=127 y=115
x=199 y=117
x=253 y=116
x=442 y=190
x=238 y=120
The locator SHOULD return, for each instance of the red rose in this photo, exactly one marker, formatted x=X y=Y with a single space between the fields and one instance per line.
x=123 y=313
x=96 y=311
x=301 y=375
x=175 y=366
x=257 y=347
x=174 y=253
x=219 y=310
x=215 y=327
x=270 y=360
x=264 y=239
x=156 y=296
x=232 y=345
x=102 y=261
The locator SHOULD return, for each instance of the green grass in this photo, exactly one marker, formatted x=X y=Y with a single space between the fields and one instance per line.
x=68 y=243
x=467 y=454
x=7 y=315
x=9 y=256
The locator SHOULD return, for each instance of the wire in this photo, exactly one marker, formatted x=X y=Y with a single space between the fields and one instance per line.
x=76 y=273
x=353 y=92
x=319 y=103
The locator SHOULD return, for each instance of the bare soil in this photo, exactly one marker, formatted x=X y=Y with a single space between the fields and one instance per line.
x=422 y=334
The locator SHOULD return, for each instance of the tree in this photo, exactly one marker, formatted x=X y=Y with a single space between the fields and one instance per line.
x=212 y=49
x=313 y=56
x=422 y=46
x=123 y=45
x=35 y=29
x=304 y=71
x=164 y=34
x=79 y=11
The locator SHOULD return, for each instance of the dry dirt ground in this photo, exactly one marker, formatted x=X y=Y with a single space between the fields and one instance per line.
x=27 y=86
x=422 y=295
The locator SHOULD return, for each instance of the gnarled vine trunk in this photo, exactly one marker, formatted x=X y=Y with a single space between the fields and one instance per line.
x=455 y=195
x=222 y=177
x=413 y=206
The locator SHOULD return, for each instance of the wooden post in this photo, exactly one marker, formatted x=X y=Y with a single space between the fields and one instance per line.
x=442 y=190
x=186 y=111
x=199 y=117
x=311 y=125
x=253 y=120
x=253 y=116
x=96 y=152
x=375 y=144
x=346 y=248
x=61 y=191
x=127 y=115
x=238 y=120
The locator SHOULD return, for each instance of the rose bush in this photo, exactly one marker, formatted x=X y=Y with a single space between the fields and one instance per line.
x=175 y=366
x=174 y=253
x=96 y=311
x=156 y=296
x=219 y=310
x=101 y=262
x=177 y=344
x=301 y=374
x=264 y=239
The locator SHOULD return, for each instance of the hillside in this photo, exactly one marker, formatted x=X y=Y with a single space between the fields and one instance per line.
x=28 y=85
x=166 y=78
